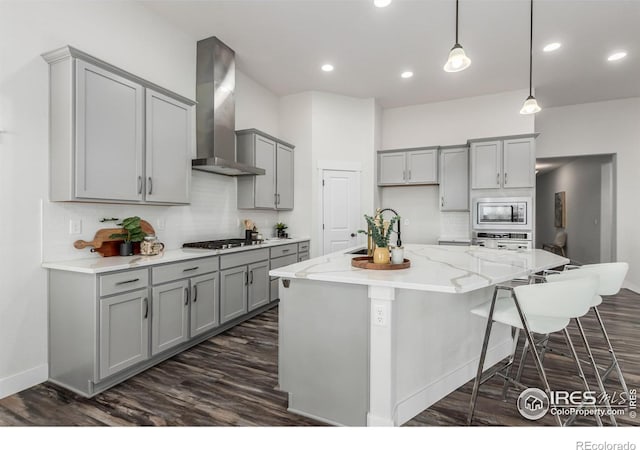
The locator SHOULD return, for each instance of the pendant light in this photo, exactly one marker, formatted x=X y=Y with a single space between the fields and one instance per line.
x=457 y=59
x=530 y=105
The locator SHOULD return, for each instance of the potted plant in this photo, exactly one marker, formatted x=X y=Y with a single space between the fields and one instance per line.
x=380 y=233
x=280 y=227
x=132 y=232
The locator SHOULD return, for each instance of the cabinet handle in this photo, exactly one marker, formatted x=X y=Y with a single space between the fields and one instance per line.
x=139 y=184
x=128 y=281
x=409 y=174
x=442 y=201
x=286 y=250
x=404 y=175
x=246 y=278
x=498 y=179
x=195 y=293
x=186 y=296
x=146 y=307
x=251 y=282
x=505 y=178
x=150 y=185
x=191 y=269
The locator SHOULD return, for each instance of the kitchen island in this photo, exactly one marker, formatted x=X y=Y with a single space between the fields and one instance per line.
x=369 y=347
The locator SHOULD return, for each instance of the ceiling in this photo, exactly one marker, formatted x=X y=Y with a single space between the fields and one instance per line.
x=282 y=44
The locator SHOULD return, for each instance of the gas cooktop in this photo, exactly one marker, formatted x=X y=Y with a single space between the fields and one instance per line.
x=220 y=244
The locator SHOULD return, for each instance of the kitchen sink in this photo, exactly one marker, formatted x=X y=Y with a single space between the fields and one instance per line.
x=362 y=251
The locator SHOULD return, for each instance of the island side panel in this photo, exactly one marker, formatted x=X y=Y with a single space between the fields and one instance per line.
x=438 y=345
x=324 y=350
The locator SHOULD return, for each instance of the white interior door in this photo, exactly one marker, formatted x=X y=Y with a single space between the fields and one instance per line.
x=340 y=209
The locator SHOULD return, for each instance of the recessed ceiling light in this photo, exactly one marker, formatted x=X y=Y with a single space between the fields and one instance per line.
x=327 y=68
x=407 y=74
x=552 y=47
x=381 y=3
x=616 y=56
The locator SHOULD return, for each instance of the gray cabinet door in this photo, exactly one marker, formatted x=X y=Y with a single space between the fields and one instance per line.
x=204 y=303
x=265 y=185
x=519 y=162
x=109 y=135
x=422 y=167
x=124 y=331
x=169 y=312
x=284 y=177
x=454 y=179
x=392 y=168
x=168 y=149
x=258 y=284
x=233 y=293
x=486 y=165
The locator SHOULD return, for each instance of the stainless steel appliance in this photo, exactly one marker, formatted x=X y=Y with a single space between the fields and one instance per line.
x=220 y=244
x=503 y=240
x=215 y=111
x=503 y=213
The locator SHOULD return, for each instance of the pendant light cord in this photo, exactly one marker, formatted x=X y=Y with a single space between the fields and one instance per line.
x=530 y=51
x=456 y=22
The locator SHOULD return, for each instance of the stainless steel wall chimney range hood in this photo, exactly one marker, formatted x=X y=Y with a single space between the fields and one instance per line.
x=215 y=111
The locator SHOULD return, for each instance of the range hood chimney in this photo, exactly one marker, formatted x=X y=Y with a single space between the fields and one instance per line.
x=215 y=111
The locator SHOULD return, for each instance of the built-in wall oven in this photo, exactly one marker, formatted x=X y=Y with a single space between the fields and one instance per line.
x=503 y=222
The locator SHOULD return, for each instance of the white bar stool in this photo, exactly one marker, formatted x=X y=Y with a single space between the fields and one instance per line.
x=536 y=308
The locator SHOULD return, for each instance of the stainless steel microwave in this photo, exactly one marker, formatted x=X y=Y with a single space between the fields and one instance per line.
x=502 y=213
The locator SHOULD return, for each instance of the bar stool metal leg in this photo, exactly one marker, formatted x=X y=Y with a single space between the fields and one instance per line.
x=534 y=353
x=615 y=363
x=483 y=353
x=572 y=349
x=597 y=372
x=505 y=387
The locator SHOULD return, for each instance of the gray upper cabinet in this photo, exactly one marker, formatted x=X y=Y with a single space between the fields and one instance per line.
x=274 y=189
x=124 y=331
x=454 y=179
x=168 y=149
x=505 y=163
x=170 y=316
x=115 y=137
x=284 y=177
x=413 y=166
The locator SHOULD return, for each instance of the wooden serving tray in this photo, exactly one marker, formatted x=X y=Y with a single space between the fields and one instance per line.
x=106 y=246
x=366 y=262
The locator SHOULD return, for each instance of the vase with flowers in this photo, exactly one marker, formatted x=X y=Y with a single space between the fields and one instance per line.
x=380 y=231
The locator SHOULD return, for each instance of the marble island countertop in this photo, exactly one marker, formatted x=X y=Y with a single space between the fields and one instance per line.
x=97 y=265
x=436 y=268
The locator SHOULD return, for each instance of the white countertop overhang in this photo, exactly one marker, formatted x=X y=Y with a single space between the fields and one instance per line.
x=435 y=268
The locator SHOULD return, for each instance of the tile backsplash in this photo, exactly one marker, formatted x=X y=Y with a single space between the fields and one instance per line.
x=455 y=225
x=212 y=214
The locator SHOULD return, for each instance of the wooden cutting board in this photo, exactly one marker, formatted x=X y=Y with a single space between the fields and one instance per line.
x=106 y=246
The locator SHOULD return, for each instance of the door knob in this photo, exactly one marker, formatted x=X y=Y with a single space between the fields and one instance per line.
x=353 y=235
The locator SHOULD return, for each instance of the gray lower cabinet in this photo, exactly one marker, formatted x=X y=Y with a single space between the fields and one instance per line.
x=124 y=331
x=204 y=304
x=258 y=288
x=170 y=315
x=233 y=290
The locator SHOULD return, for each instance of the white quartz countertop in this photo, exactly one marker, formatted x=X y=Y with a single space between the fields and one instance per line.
x=437 y=268
x=109 y=264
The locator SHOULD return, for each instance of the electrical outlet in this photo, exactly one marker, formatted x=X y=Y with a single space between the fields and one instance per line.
x=75 y=226
x=380 y=315
x=406 y=222
x=160 y=224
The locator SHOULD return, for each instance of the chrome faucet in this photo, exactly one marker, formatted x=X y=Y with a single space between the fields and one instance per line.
x=399 y=241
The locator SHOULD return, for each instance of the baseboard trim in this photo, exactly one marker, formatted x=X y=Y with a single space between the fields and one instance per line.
x=413 y=405
x=23 y=380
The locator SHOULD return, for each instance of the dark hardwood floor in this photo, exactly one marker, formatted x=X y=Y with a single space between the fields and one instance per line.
x=231 y=378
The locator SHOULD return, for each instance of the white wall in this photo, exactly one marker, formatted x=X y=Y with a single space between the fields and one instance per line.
x=445 y=123
x=327 y=127
x=129 y=36
x=597 y=128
